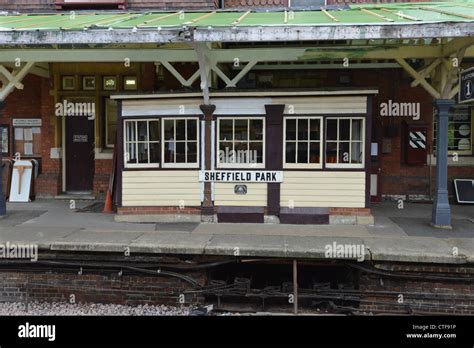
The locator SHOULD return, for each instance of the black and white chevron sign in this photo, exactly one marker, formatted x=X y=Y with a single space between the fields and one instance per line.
x=417 y=140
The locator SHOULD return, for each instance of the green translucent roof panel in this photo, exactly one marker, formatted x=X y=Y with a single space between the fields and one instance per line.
x=394 y=13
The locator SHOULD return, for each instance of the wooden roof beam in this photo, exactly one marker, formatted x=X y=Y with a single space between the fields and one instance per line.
x=160 y=18
x=455 y=14
x=376 y=15
x=329 y=15
x=401 y=15
x=241 y=18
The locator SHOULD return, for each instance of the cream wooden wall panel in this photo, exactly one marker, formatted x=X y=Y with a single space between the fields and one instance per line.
x=323 y=189
x=240 y=106
x=324 y=105
x=256 y=195
x=161 y=188
x=164 y=107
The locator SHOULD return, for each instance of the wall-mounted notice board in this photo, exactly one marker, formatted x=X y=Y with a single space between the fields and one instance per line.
x=27 y=137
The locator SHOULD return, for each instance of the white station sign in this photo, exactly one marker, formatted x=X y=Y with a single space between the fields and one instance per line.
x=240 y=176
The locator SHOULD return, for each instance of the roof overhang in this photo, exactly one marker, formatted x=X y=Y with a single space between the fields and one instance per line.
x=239 y=34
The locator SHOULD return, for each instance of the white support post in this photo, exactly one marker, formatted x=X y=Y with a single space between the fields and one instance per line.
x=12 y=80
x=204 y=68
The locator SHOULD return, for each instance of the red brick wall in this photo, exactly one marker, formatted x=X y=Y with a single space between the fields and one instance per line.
x=96 y=287
x=447 y=296
x=33 y=101
x=284 y=3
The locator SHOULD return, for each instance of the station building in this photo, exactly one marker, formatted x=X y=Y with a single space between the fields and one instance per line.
x=292 y=115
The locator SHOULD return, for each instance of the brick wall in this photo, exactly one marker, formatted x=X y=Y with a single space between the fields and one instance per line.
x=94 y=287
x=159 y=210
x=284 y=3
x=421 y=294
x=34 y=101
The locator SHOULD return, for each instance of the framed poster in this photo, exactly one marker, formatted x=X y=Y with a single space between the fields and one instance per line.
x=5 y=136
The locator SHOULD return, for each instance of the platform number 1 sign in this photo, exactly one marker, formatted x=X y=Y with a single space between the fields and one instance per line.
x=466 y=86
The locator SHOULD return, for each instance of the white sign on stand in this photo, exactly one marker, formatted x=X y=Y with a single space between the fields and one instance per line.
x=21 y=181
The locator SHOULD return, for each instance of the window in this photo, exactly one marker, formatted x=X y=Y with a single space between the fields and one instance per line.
x=5 y=134
x=88 y=83
x=241 y=142
x=303 y=142
x=109 y=83
x=181 y=147
x=68 y=83
x=142 y=143
x=460 y=136
x=130 y=83
x=344 y=142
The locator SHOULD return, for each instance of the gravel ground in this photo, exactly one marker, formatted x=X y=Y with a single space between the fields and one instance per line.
x=43 y=308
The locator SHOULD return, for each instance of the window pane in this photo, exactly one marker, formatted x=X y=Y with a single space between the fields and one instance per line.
x=331 y=131
x=344 y=129
x=302 y=152
x=290 y=152
x=356 y=129
x=142 y=131
x=315 y=129
x=181 y=152
x=142 y=152
x=192 y=152
x=130 y=131
x=170 y=147
x=155 y=152
x=241 y=129
x=314 y=153
x=303 y=129
x=241 y=152
x=180 y=129
x=225 y=152
x=256 y=129
x=169 y=130
x=331 y=152
x=344 y=152
x=225 y=129
x=290 y=129
x=256 y=152
x=130 y=153
x=154 y=130
x=356 y=152
x=192 y=129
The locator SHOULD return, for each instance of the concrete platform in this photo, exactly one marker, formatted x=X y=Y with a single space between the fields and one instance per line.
x=52 y=225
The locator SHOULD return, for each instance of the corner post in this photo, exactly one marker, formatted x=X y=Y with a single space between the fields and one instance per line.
x=207 y=209
x=3 y=204
x=441 y=213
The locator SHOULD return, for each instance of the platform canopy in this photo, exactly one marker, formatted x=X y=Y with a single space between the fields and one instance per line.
x=375 y=21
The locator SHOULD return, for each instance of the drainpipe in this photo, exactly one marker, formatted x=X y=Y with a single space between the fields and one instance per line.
x=441 y=214
x=3 y=205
